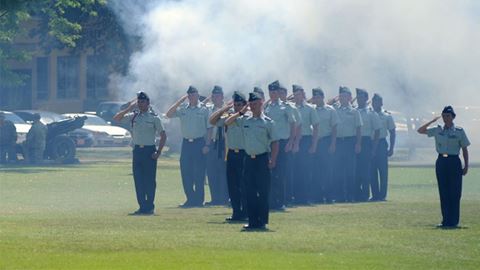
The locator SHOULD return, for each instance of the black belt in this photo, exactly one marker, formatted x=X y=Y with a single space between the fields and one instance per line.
x=192 y=140
x=256 y=156
x=235 y=150
x=446 y=155
x=143 y=146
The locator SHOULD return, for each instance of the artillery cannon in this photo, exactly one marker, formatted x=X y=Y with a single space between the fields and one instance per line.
x=59 y=146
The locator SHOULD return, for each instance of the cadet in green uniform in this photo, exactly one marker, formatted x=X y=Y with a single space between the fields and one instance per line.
x=379 y=180
x=370 y=131
x=260 y=139
x=235 y=156
x=36 y=140
x=145 y=126
x=285 y=127
x=307 y=142
x=449 y=139
x=194 y=126
x=282 y=93
x=348 y=145
x=216 y=166
x=326 y=146
x=8 y=139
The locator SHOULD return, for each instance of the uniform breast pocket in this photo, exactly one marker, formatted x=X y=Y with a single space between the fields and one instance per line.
x=453 y=140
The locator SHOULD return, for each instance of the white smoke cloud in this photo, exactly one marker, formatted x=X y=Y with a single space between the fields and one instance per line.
x=417 y=54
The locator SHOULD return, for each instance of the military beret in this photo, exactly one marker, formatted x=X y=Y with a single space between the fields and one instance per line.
x=274 y=86
x=361 y=92
x=344 y=89
x=217 y=90
x=142 y=95
x=238 y=97
x=377 y=96
x=192 y=89
x=254 y=96
x=297 y=88
x=317 y=92
x=449 y=109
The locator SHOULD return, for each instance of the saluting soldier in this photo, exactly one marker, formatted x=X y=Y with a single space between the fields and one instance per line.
x=307 y=142
x=326 y=146
x=379 y=179
x=216 y=166
x=145 y=124
x=36 y=140
x=370 y=132
x=235 y=156
x=348 y=145
x=194 y=126
x=260 y=140
x=449 y=139
x=285 y=127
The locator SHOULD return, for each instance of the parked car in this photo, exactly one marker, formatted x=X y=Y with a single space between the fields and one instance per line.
x=21 y=126
x=82 y=137
x=104 y=134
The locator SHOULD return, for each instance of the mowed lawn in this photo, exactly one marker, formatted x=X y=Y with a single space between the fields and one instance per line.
x=75 y=217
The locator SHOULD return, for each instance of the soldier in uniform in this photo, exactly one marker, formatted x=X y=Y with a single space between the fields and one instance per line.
x=235 y=156
x=36 y=140
x=8 y=139
x=327 y=134
x=216 y=166
x=449 y=139
x=379 y=178
x=285 y=127
x=348 y=145
x=370 y=132
x=260 y=139
x=307 y=142
x=194 y=127
x=145 y=126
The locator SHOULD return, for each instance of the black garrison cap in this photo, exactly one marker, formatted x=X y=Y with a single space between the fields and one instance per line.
x=192 y=89
x=274 y=86
x=449 y=109
x=217 y=90
x=361 y=92
x=142 y=95
x=296 y=88
x=254 y=96
x=317 y=92
x=377 y=97
x=238 y=97
x=344 y=89
x=259 y=91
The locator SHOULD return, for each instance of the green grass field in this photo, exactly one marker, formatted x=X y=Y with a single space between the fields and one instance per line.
x=75 y=217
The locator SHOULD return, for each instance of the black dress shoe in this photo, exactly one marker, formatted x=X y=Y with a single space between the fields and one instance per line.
x=236 y=219
x=248 y=227
x=136 y=213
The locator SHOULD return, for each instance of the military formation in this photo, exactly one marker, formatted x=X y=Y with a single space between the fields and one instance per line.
x=260 y=155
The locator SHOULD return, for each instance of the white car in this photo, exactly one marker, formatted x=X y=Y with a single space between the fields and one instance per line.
x=21 y=126
x=104 y=134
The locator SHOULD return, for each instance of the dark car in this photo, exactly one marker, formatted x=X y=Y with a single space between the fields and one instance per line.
x=81 y=137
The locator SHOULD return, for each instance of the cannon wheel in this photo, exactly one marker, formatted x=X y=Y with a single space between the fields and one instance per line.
x=62 y=149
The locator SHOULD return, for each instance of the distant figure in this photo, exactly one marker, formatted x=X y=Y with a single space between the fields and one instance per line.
x=146 y=125
x=379 y=178
x=194 y=127
x=8 y=140
x=261 y=148
x=449 y=139
x=36 y=140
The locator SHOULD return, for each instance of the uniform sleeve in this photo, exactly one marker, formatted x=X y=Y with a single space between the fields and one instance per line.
x=390 y=123
x=464 y=142
x=358 y=119
x=127 y=119
x=290 y=115
x=158 y=125
x=333 y=118
x=273 y=136
x=178 y=112
x=376 y=123
x=314 y=119
x=432 y=131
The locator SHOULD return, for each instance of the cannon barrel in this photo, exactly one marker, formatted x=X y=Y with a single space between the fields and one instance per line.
x=64 y=126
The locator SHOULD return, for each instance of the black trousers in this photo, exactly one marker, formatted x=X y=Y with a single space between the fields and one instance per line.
x=344 y=174
x=364 y=170
x=322 y=189
x=144 y=172
x=379 y=178
x=280 y=175
x=449 y=178
x=192 y=169
x=217 y=174
x=302 y=171
x=236 y=182
x=257 y=177
x=7 y=152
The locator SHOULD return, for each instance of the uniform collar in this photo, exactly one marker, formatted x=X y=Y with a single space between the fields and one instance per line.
x=196 y=106
x=447 y=129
